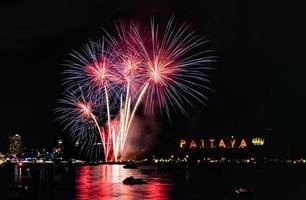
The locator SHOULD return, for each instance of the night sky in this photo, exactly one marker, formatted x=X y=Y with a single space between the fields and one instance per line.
x=258 y=81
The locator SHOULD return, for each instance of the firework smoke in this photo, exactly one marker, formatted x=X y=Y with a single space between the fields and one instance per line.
x=144 y=127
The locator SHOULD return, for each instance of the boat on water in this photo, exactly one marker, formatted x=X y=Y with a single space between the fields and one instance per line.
x=131 y=166
x=133 y=181
x=243 y=192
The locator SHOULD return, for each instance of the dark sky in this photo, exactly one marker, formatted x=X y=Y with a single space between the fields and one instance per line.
x=259 y=79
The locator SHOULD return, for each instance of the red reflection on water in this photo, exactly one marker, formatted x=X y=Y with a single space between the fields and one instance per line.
x=157 y=190
x=83 y=183
x=105 y=182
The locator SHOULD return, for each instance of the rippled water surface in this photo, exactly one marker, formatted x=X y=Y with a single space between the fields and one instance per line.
x=105 y=182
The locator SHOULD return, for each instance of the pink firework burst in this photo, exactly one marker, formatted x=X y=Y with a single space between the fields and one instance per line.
x=161 y=69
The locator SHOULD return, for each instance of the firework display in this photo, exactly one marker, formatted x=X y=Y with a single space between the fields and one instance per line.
x=147 y=68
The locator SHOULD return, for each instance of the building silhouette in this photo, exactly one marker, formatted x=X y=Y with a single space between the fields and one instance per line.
x=15 y=145
x=59 y=148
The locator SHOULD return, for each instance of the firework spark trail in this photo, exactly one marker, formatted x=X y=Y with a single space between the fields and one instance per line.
x=108 y=122
x=159 y=70
x=131 y=116
x=99 y=130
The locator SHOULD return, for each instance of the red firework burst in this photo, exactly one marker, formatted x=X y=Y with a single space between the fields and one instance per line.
x=84 y=109
x=100 y=72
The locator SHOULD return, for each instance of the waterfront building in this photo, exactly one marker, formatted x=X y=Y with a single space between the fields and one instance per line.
x=59 y=148
x=15 y=145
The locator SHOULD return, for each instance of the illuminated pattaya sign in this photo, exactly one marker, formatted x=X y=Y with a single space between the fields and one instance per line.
x=219 y=143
